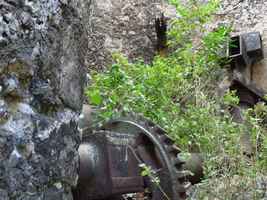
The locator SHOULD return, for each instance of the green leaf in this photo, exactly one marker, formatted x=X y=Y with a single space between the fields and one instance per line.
x=95 y=97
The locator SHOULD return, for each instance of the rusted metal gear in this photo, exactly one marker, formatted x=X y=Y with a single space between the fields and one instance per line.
x=154 y=148
x=110 y=159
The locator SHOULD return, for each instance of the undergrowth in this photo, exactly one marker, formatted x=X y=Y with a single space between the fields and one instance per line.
x=179 y=92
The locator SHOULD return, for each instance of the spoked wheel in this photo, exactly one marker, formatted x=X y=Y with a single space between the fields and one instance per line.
x=158 y=155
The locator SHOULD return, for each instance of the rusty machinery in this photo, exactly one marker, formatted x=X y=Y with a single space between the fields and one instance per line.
x=244 y=51
x=110 y=159
x=110 y=156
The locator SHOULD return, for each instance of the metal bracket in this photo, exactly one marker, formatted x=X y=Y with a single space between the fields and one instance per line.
x=245 y=49
x=253 y=42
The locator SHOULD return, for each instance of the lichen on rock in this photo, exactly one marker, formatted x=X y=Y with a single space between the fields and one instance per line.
x=42 y=75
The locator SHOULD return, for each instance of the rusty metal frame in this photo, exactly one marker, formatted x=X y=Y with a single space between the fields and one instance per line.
x=110 y=145
x=245 y=49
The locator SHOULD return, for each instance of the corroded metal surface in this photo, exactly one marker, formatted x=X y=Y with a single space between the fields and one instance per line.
x=110 y=159
x=245 y=49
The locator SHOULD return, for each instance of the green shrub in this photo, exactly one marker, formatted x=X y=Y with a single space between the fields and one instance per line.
x=177 y=91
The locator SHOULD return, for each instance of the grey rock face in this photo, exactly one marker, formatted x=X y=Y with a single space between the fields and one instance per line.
x=42 y=73
x=248 y=16
x=125 y=26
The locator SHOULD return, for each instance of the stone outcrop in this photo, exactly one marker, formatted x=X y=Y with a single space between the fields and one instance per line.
x=124 y=26
x=248 y=16
x=42 y=73
x=244 y=16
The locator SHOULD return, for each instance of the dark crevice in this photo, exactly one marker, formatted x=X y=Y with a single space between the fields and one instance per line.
x=4 y=35
x=5 y=20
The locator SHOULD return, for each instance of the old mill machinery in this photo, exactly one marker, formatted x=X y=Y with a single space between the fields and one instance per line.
x=111 y=156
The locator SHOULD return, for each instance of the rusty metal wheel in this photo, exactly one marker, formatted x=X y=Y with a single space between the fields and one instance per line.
x=154 y=148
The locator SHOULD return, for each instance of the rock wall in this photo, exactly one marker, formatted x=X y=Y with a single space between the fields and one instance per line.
x=125 y=26
x=42 y=73
x=248 y=16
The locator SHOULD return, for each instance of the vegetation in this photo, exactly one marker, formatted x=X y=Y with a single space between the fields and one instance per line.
x=179 y=92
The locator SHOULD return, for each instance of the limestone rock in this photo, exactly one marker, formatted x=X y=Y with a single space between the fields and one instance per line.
x=42 y=75
x=124 y=26
x=247 y=16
